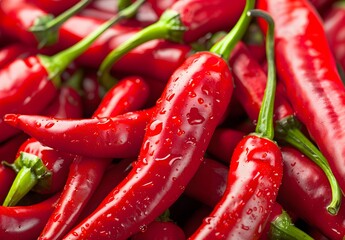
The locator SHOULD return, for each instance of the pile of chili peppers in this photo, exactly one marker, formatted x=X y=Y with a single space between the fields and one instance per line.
x=174 y=119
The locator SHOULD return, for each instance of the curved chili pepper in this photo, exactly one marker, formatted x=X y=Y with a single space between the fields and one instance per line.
x=333 y=22
x=250 y=80
x=30 y=84
x=85 y=174
x=39 y=168
x=113 y=137
x=32 y=25
x=176 y=138
x=184 y=21
x=311 y=194
x=25 y=222
x=255 y=172
x=313 y=86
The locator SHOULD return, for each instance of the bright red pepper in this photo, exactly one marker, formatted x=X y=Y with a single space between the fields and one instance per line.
x=25 y=222
x=307 y=68
x=12 y=51
x=306 y=192
x=255 y=173
x=250 y=80
x=29 y=84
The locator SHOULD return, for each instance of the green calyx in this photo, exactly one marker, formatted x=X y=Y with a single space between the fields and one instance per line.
x=282 y=228
x=31 y=173
x=45 y=28
x=57 y=63
x=288 y=130
x=169 y=27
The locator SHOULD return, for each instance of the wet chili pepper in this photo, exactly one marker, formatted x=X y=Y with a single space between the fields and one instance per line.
x=250 y=80
x=85 y=174
x=25 y=222
x=311 y=194
x=184 y=118
x=39 y=168
x=313 y=86
x=255 y=172
x=334 y=20
x=32 y=25
x=31 y=83
x=184 y=21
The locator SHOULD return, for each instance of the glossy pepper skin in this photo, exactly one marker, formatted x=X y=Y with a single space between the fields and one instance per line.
x=307 y=68
x=54 y=6
x=176 y=138
x=25 y=222
x=306 y=192
x=12 y=51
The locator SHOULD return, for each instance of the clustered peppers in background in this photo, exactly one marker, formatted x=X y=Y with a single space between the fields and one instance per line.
x=136 y=129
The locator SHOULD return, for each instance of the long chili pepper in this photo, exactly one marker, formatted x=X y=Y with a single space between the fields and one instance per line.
x=184 y=118
x=25 y=222
x=184 y=21
x=86 y=173
x=255 y=172
x=307 y=68
x=208 y=186
x=38 y=28
x=306 y=192
x=38 y=168
x=112 y=137
x=250 y=80
x=30 y=84
x=333 y=21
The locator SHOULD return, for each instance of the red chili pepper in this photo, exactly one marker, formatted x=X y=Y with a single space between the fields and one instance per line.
x=176 y=138
x=25 y=222
x=306 y=192
x=333 y=21
x=85 y=174
x=255 y=173
x=250 y=80
x=39 y=168
x=313 y=86
x=160 y=6
x=31 y=83
x=184 y=21
x=32 y=25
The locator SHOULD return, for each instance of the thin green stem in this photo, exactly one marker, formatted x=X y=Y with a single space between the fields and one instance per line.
x=57 y=63
x=265 y=124
x=46 y=28
x=225 y=46
x=169 y=26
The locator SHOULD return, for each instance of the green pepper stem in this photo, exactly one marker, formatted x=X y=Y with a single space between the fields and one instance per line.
x=265 y=125
x=45 y=28
x=30 y=170
x=282 y=228
x=169 y=26
x=57 y=63
x=225 y=46
x=289 y=132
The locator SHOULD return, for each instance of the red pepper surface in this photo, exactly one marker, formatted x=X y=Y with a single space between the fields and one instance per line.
x=250 y=80
x=31 y=83
x=306 y=192
x=25 y=222
x=255 y=173
x=307 y=68
x=159 y=6
x=176 y=138
x=86 y=173
x=54 y=6
x=12 y=51
x=334 y=20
